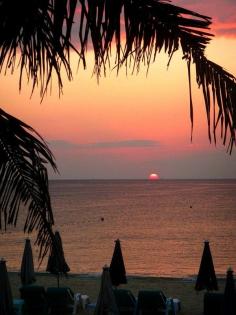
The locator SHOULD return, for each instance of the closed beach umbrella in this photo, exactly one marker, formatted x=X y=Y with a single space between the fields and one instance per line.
x=56 y=262
x=229 y=294
x=206 y=278
x=6 y=302
x=27 y=265
x=106 y=303
x=117 y=267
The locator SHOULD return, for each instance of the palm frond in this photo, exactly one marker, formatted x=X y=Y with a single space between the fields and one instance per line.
x=151 y=26
x=42 y=29
x=219 y=88
x=24 y=181
x=147 y=27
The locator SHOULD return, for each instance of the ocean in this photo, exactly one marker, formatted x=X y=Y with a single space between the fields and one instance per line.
x=161 y=224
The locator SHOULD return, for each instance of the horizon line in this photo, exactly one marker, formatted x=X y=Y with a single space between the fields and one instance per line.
x=133 y=179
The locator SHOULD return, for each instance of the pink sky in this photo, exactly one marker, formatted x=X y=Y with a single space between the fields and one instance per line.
x=223 y=13
x=129 y=127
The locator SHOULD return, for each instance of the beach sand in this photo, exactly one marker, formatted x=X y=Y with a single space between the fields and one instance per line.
x=183 y=289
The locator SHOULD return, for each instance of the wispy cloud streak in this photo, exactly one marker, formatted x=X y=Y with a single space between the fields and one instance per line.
x=133 y=143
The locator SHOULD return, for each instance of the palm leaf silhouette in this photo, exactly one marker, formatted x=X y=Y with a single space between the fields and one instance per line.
x=140 y=29
x=34 y=30
x=38 y=36
x=151 y=26
x=23 y=179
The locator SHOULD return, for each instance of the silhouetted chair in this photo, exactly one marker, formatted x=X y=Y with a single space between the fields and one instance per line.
x=125 y=301
x=151 y=302
x=60 y=301
x=214 y=303
x=35 y=302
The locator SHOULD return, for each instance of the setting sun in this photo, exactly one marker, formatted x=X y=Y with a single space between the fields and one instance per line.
x=117 y=127
x=153 y=176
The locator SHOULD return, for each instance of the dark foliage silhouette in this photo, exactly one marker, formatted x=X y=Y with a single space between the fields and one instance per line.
x=37 y=36
x=23 y=179
x=41 y=32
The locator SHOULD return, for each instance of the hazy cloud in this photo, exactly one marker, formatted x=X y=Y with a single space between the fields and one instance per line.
x=208 y=163
x=132 y=143
x=124 y=144
x=62 y=144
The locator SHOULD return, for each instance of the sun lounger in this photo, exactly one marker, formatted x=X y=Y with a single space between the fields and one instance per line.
x=125 y=301
x=35 y=301
x=60 y=301
x=18 y=305
x=213 y=303
x=154 y=302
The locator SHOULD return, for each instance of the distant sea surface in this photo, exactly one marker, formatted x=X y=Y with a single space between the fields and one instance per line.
x=161 y=224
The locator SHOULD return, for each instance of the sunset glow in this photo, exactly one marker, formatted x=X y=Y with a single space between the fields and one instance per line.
x=128 y=124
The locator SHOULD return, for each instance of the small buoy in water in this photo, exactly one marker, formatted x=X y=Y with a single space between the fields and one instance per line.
x=102 y=219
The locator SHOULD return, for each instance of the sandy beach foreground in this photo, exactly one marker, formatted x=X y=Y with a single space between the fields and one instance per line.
x=183 y=289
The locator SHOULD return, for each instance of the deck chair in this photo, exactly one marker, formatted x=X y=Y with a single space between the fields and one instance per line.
x=60 y=301
x=35 y=302
x=125 y=301
x=213 y=303
x=151 y=302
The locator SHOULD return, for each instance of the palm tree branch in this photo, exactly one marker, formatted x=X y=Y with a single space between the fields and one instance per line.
x=145 y=22
x=140 y=29
x=36 y=30
x=151 y=26
x=219 y=88
x=23 y=179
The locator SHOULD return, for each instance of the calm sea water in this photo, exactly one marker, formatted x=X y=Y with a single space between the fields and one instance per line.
x=161 y=225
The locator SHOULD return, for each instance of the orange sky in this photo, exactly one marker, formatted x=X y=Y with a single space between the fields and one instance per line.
x=127 y=127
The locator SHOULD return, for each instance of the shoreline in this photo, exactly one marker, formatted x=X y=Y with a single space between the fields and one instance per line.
x=129 y=276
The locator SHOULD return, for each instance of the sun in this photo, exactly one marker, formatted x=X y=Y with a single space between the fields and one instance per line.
x=153 y=176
